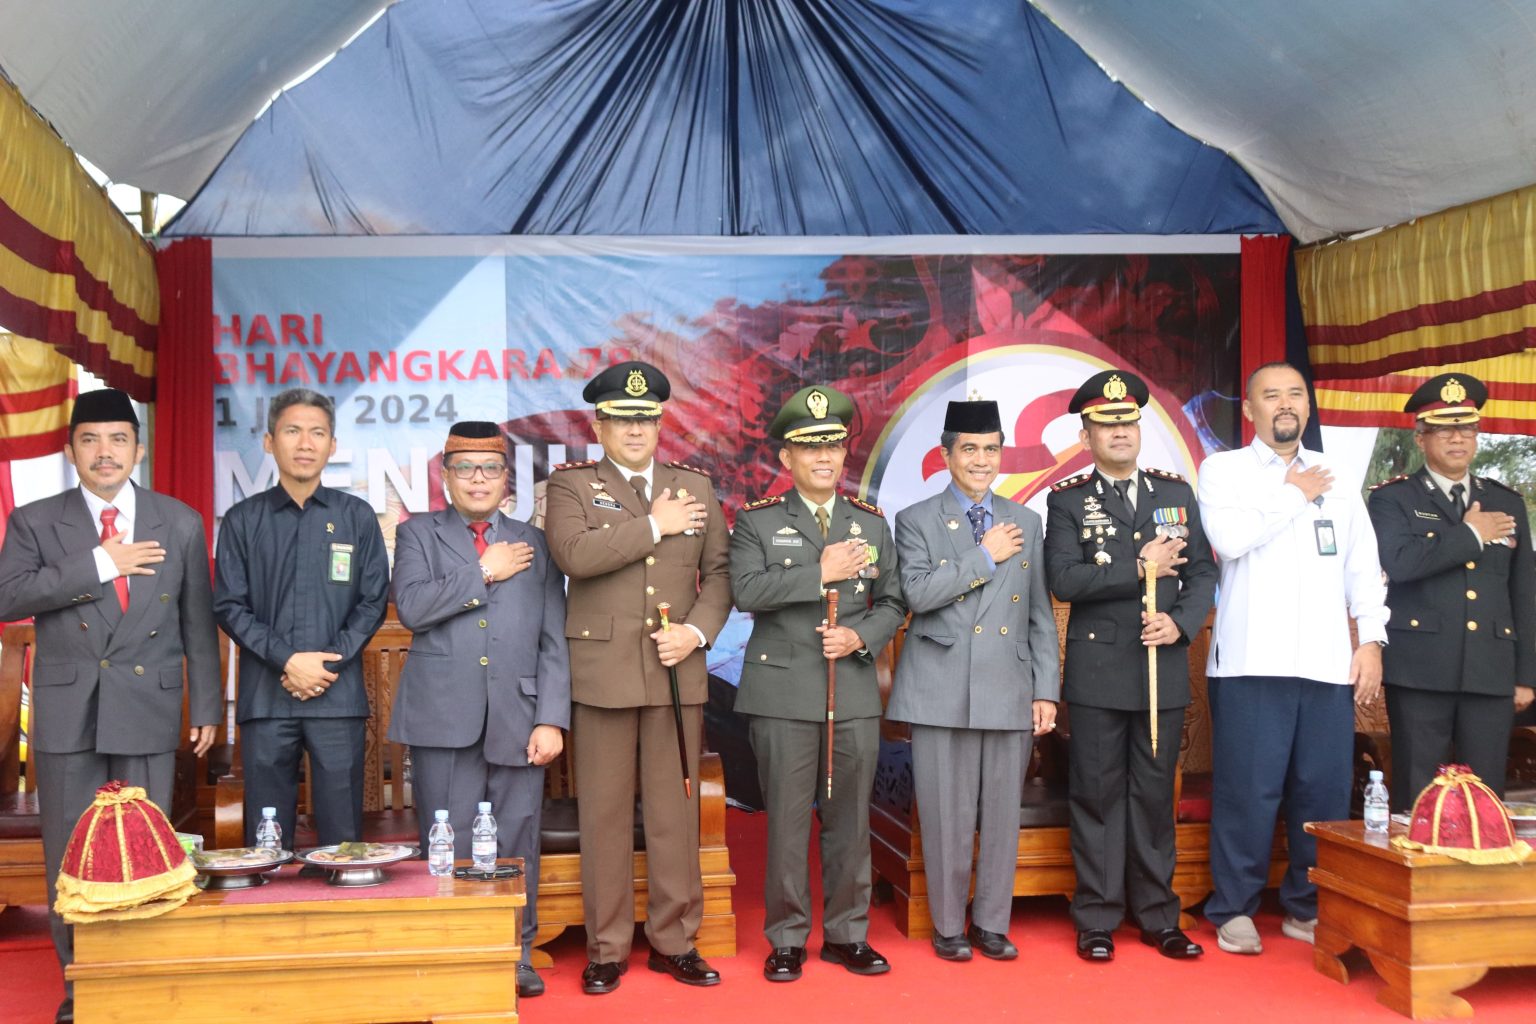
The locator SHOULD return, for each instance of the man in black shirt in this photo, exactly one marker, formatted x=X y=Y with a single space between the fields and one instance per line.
x=301 y=584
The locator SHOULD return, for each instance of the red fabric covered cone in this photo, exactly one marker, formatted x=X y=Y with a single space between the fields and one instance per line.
x=1459 y=816
x=123 y=860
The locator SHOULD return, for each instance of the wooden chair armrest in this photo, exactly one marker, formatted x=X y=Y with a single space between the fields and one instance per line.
x=711 y=800
x=228 y=813
x=1522 y=754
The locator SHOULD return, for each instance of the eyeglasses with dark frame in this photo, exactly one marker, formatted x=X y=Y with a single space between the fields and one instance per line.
x=1452 y=429
x=467 y=470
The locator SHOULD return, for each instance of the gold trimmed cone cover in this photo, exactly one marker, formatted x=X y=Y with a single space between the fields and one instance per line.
x=1459 y=816
x=123 y=861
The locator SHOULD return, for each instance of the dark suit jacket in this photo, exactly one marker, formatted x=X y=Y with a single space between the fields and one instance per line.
x=491 y=659
x=108 y=680
x=1106 y=663
x=776 y=575
x=1441 y=583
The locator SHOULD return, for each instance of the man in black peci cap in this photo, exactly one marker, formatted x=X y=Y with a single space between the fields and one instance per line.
x=1457 y=552
x=116 y=577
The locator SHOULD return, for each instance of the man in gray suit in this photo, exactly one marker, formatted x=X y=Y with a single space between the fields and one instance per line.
x=116 y=577
x=978 y=679
x=787 y=553
x=486 y=690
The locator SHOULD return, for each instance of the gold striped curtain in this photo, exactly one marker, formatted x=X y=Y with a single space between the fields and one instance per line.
x=1452 y=291
x=37 y=390
x=74 y=273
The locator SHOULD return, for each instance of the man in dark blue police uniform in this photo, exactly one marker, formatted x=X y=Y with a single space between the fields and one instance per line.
x=1456 y=549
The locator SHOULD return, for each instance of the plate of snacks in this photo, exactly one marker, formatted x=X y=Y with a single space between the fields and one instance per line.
x=1522 y=814
x=239 y=868
x=357 y=863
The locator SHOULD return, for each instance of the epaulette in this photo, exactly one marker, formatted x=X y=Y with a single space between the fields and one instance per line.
x=575 y=465
x=1163 y=474
x=866 y=506
x=1072 y=481
x=1498 y=483
x=1394 y=480
x=753 y=506
x=691 y=469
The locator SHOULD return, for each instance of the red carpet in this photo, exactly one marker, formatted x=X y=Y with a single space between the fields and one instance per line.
x=1048 y=983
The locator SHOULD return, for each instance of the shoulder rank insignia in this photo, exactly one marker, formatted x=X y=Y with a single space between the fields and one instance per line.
x=576 y=465
x=1072 y=481
x=1394 y=480
x=866 y=506
x=753 y=506
x=691 y=469
x=1163 y=474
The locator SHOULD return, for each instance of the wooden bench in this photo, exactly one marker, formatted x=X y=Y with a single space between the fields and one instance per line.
x=22 y=878
x=389 y=813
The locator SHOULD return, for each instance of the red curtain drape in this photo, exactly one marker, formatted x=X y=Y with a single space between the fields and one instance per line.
x=1262 y=317
x=184 y=396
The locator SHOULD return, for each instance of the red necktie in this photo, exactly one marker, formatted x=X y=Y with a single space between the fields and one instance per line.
x=479 y=530
x=108 y=531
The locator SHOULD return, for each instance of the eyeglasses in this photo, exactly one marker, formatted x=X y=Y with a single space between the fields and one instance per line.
x=1453 y=429
x=467 y=470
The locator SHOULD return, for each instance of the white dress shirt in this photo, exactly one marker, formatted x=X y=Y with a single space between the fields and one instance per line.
x=127 y=506
x=1282 y=604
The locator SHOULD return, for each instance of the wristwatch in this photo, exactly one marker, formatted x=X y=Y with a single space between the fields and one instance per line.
x=485 y=571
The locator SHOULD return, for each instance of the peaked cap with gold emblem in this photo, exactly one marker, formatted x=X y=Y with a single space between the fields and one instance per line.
x=631 y=390
x=1110 y=396
x=814 y=415
x=1447 y=399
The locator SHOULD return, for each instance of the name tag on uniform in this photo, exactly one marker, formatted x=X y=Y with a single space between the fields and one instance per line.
x=341 y=563
x=786 y=542
x=1326 y=543
x=608 y=502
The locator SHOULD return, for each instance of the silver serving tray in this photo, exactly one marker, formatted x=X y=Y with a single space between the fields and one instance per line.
x=216 y=877
x=358 y=873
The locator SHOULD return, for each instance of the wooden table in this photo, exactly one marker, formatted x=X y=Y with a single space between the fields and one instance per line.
x=1430 y=924
x=417 y=948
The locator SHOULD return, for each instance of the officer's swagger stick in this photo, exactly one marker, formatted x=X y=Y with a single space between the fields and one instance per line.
x=1150 y=569
x=831 y=685
x=677 y=707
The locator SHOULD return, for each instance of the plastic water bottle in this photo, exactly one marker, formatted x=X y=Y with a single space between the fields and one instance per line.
x=482 y=838
x=440 y=846
x=1377 y=811
x=269 y=834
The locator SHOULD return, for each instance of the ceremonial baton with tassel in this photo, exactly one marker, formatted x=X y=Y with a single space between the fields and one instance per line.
x=1150 y=569
x=677 y=707
x=831 y=686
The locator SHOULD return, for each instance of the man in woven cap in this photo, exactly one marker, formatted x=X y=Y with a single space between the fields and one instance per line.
x=1457 y=552
x=1298 y=561
x=631 y=532
x=116 y=577
x=1104 y=527
x=486 y=690
x=301 y=584
x=787 y=553
x=978 y=679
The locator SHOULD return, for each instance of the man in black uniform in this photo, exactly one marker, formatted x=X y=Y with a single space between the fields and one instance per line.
x=1456 y=549
x=1104 y=530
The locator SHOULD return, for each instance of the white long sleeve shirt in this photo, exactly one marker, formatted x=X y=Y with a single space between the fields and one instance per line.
x=1284 y=607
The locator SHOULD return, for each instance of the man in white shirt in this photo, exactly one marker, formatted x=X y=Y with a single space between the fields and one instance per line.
x=1298 y=559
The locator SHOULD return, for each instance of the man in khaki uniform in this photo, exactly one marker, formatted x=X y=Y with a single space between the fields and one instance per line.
x=630 y=533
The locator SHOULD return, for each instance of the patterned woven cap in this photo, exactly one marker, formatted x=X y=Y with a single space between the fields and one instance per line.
x=123 y=861
x=1459 y=816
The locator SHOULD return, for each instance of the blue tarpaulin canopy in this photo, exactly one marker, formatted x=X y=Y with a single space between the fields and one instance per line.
x=718 y=117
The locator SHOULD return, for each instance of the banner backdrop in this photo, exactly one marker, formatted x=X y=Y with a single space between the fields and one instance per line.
x=410 y=335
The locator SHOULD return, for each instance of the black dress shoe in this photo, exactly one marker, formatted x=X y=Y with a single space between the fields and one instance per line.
x=951 y=947
x=857 y=957
x=1096 y=944
x=783 y=964
x=529 y=984
x=66 y=1014
x=1173 y=943
x=600 y=979
x=993 y=946
x=688 y=968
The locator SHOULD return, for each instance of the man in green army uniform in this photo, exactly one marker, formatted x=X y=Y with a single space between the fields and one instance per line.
x=786 y=554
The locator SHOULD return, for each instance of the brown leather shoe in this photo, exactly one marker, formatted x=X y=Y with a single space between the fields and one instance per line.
x=600 y=979
x=857 y=957
x=1173 y=943
x=992 y=945
x=783 y=964
x=688 y=968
